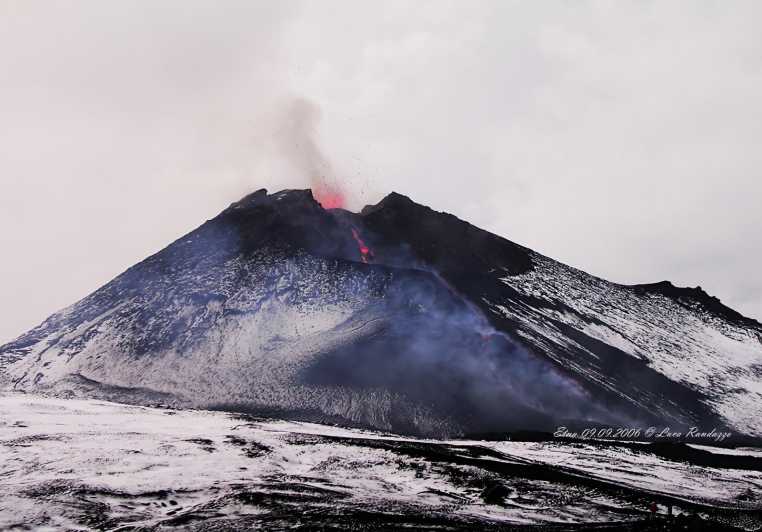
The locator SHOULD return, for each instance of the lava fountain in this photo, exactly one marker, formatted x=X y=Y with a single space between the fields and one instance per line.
x=329 y=198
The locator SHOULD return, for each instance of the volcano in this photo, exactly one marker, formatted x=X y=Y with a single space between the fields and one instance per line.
x=397 y=318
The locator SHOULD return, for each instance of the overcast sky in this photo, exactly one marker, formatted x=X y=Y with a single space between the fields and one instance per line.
x=621 y=138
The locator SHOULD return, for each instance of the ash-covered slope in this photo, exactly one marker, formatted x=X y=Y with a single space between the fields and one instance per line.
x=674 y=355
x=400 y=318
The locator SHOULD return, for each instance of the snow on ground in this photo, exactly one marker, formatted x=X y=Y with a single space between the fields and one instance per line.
x=740 y=451
x=628 y=467
x=87 y=464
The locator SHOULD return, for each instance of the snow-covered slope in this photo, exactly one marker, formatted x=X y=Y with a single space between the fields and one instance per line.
x=399 y=318
x=683 y=334
x=651 y=353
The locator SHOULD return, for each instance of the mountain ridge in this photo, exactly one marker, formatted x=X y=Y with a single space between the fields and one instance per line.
x=401 y=318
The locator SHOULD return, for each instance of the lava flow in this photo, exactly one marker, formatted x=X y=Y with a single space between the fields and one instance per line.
x=330 y=198
x=365 y=253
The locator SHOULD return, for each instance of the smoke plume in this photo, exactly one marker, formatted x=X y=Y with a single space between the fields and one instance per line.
x=297 y=139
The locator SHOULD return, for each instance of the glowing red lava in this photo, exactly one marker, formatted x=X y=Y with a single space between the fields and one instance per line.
x=365 y=253
x=329 y=199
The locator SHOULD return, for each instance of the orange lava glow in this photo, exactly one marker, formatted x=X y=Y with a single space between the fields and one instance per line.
x=365 y=252
x=329 y=199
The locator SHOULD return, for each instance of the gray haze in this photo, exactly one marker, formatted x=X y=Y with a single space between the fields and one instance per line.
x=621 y=138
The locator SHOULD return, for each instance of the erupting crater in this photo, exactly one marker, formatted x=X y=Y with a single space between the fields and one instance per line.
x=329 y=198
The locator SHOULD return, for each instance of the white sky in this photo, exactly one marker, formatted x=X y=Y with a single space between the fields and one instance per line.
x=621 y=138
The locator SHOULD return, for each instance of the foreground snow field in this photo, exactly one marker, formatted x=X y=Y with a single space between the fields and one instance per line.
x=70 y=464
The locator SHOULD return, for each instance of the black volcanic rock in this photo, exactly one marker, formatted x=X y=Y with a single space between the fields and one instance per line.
x=692 y=297
x=437 y=240
x=400 y=318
